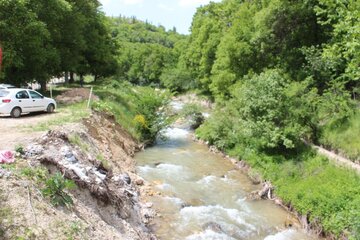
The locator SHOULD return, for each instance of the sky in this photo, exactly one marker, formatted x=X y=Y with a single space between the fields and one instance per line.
x=168 y=13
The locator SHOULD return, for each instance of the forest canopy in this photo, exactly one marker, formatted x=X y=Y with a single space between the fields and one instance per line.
x=41 y=39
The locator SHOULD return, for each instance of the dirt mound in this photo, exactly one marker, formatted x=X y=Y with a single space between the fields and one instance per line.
x=75 y=95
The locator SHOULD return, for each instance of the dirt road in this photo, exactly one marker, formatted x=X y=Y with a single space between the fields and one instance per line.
x=339 y=160
x=19 y=131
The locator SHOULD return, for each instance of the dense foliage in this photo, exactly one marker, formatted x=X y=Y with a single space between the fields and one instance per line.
x=145 y=51
x=41 y=39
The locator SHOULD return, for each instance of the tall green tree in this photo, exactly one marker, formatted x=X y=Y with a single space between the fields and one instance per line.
x=42 y=39
x=29 y=53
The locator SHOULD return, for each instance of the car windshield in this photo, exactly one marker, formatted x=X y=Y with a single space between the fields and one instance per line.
x=4 y=93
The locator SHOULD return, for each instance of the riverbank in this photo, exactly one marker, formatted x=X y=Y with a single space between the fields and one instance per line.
x=97 y=156
x=78 y=180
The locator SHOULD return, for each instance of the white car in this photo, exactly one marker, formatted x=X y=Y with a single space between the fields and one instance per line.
x=17 y=101
x=6 y=86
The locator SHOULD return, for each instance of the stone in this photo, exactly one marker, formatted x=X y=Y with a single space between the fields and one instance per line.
x=149 y=205
x=139 y=182
x=126 y=178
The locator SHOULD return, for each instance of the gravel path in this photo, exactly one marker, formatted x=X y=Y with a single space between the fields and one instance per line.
x=339 y=160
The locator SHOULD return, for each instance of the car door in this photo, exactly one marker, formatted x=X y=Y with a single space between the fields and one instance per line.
x=22 y=99
x=38 y=101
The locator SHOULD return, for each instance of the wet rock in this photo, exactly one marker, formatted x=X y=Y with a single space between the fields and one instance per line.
x=148 y=214
x=264 y=193
x=213 y=149
x=213 y=226
x=184 y=205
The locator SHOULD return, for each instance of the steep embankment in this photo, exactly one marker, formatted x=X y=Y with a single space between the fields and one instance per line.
x=96 y=155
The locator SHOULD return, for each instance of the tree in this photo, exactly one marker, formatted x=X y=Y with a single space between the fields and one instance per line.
x=144 y=50
x=28 y=50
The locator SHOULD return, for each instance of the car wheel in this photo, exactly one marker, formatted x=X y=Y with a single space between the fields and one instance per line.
x=16 y=112
x=50 y=108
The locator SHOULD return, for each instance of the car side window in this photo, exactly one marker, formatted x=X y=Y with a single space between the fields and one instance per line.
x=22 y=95
x=35 y=95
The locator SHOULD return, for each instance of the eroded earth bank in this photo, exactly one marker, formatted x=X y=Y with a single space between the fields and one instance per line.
x=97 y=155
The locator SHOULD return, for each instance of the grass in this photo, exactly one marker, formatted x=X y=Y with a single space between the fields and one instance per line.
x=344 y=138
x=121 y=105
x=65 y=114
x=135 y=108
x=75 y=229
x=105 y=163
x=75 y=139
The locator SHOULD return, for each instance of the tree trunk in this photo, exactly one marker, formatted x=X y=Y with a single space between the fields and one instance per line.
x=66 y=77
x=43 y=85
x=95 y=78
x=71 y=77
x=81 y=80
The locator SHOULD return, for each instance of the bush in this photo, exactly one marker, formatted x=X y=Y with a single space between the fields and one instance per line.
x=138 y=109
x=266 y=111
x=54 y=189
x=264 y=122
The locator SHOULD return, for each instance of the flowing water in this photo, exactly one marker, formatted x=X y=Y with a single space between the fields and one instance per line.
x=204 y=197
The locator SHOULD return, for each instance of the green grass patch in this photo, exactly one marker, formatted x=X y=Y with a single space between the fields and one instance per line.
x=343 y=137
x=64 y=114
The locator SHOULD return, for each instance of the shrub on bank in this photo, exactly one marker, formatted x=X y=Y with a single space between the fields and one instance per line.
x=138 y=109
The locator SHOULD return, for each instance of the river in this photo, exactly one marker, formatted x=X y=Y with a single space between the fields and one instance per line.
x=203 y=196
